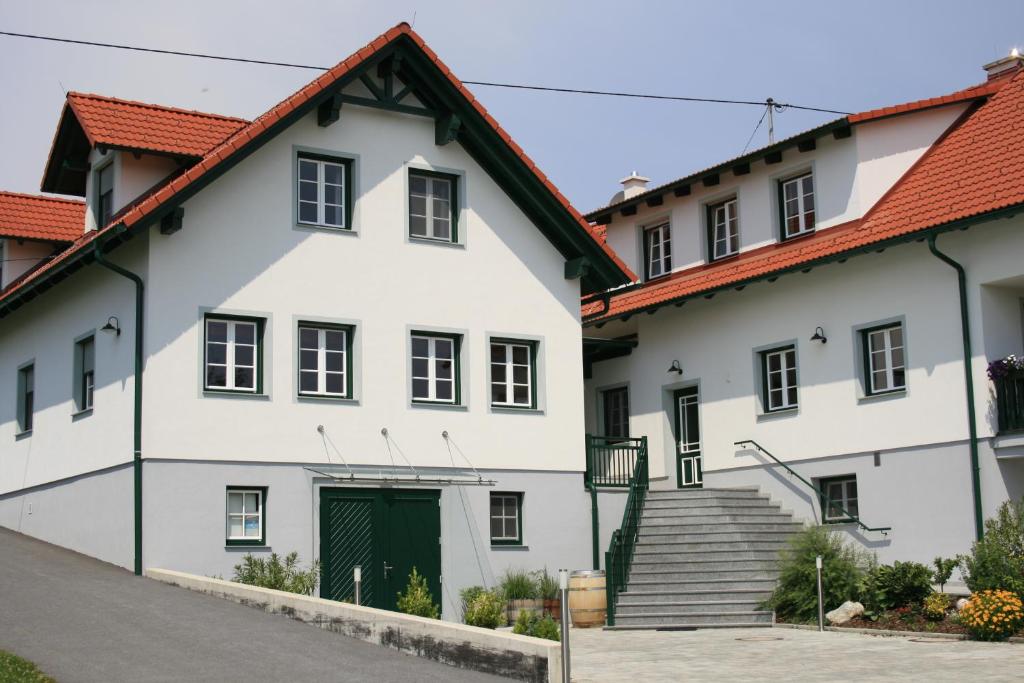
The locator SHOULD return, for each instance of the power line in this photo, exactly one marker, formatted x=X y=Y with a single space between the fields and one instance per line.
x=490 y=84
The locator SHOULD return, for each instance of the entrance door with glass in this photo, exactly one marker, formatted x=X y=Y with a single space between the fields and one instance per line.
x=689 y=463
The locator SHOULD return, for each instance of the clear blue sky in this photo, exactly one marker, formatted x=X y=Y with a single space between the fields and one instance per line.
x=846 y=55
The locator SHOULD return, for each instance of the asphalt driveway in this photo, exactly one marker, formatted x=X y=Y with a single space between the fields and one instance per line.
x=83 y=620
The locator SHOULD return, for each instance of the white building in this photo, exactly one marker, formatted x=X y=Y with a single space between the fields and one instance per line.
x=360 y=338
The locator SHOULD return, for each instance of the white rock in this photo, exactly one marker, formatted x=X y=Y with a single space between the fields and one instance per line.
x=844 y=613
x=961 y=603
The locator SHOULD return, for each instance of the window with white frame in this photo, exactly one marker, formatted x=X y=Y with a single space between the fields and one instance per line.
x=85 y=373
x=322 y=191
x=724 y=229
x=884 y=361
x=435 y=368
x=657 y=251
x=324 y=360
x=778 y=368
x=506 y=518
x=797 y=195
x=840 y=498
x=246 y=516
x=432 y=207
x=233 y=354
x=512 y=373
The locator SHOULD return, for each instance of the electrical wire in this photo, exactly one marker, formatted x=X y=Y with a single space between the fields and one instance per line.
x=490 y=84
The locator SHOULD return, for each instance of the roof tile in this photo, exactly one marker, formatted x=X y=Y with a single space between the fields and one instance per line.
x=35 y=217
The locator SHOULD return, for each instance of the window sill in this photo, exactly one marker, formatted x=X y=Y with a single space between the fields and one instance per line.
x=317 y=398
x=81 y=415
x=414 y=239
x=247 y=547
x=778 y=414
x=517 y=410
x=882 y=396
x=214 y=393
x=432 y=405
x=509 y=546
x=727 y=257
x=315 y=227
x=23 y=435
x=798 y=236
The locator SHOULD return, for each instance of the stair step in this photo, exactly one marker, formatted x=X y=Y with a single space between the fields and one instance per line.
x=656 y=584
x=682 y=618
x=660 y=575
x=696 y=503
x=712 y=511
x=678 y=526
x=657 y=564
x=658 y=554
x=632 y=596
x=673 y=516
x=672 y=607
x=722 y=536
x=691 y=494
x=684 y=626
x=650 y=543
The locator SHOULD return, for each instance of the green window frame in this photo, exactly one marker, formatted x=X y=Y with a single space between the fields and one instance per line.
x=230 y=352
x=797 y=206
x=240 y=516
x=324 y=360
x=104 y=194
x=506 y=517
x=615 y=411
x=323 y=191
x=779 y=379
x=883 y=352
x=26 y=397
x=435 y=362
x=428 y=218
x=842 y=492
x=505 y=360
x=657 y=242
x=85 y=373
x=723 y=228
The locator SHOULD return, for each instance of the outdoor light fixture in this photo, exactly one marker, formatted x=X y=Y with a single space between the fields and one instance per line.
x=819 y=335
x=675 y=367
x=113 y=325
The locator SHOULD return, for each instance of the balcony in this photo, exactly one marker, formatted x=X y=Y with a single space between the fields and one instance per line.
x=611 y=460
x=1010 y=401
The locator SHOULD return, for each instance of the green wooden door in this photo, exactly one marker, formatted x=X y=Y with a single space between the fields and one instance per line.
x=689 y=457
x=387 y=533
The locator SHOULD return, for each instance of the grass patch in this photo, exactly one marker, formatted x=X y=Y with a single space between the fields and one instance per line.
x=14 y=669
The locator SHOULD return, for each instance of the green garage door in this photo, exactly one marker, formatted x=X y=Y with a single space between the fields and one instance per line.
x=388 y=533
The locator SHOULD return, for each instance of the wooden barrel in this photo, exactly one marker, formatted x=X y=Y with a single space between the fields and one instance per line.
x=588 y=604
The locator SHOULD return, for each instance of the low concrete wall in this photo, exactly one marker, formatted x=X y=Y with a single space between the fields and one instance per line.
x=467 y=647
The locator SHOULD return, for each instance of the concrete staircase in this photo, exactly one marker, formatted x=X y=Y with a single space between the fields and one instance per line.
x=706 y=558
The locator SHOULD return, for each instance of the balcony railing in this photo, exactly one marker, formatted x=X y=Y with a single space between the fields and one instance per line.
x=1010 y=401
x=611 y=460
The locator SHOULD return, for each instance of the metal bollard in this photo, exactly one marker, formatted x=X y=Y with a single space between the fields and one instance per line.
x=821 y=605
x=563 y=585
x=357 y=577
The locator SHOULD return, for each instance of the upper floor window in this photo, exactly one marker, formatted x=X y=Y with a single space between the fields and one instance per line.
x=233 y=354
x=883 y=359
x=778 y=372
x=435 y=368
x=85 y=373
x=325 y=360
x=657 y=251
x=323 y=192
x=513 y=370
x=26 y=396
x=797 y=198
x=104 y=195
x=615 y=404
x=433 y=209
x=723 y=229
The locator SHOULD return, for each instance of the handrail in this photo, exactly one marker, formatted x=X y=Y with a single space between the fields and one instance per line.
x=611 y=460
x=619 y=557
x=828 y=504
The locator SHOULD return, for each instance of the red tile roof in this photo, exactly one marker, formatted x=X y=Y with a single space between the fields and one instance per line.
x=34 y=217
x=150 y=127
x=976 y=167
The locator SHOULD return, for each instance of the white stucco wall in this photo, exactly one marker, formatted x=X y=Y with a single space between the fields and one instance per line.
x=21 y=255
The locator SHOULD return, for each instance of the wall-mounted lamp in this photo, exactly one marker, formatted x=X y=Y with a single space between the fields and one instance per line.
x=675 y=367
x=113 y=325
x=819 y=335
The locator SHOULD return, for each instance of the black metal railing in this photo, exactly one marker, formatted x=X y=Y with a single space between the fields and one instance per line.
x=619 y=557
x=1010 y=402
x=826 y=502
x=611 y=460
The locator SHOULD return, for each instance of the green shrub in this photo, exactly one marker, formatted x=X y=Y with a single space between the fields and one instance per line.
x=518 y=584
x=796 y=596
x=996 y=562
x=943 y=570
x=529 y=624
x=486 y=610
x=935 y=606
x=901 y=584
x=273 y=573
x=14 y=669
x=417 y=599
x=468 y=595
x=547 y=585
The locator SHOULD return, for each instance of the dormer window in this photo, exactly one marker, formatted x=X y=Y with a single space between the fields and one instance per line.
x=723 y=229
x=797 y=199
x=657 y=251
x=104 y=195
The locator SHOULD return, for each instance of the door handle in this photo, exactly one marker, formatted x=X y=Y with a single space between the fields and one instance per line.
x=387 y=569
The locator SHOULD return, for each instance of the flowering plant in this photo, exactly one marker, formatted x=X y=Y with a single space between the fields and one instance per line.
x=1003 y=367
x=992 y=615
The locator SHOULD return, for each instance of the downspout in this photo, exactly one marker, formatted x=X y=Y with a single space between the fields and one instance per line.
x=137 y=457
x=588 y=482
x=961 y=275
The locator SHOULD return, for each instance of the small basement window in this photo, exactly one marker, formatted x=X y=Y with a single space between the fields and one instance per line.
x=246 y=515
x=842 y=495
x=506 y=518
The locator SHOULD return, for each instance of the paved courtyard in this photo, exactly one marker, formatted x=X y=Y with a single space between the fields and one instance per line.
x=716 y=655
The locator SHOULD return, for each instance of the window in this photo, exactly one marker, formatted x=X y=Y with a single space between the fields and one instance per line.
x=506 y=519
x=26 y=397
x=657 y=251
x=723 y=229
x=233 y=354
x=778 y=369
x=842 y=495
x=435 y=368
x=513 y=374
x=104 y=195
x=433 y=210
x=323 y=194
x=325 y=360
x=246 y=516
x=797 y=199
x=616 y=411
x=884 y=366
x=85 y=373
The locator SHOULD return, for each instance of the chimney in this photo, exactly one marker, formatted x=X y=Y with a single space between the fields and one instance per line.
x=633 y=184
x=1001 y=66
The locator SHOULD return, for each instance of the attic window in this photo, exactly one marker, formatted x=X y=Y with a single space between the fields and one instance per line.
x=324 y=196
x=104 y=195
